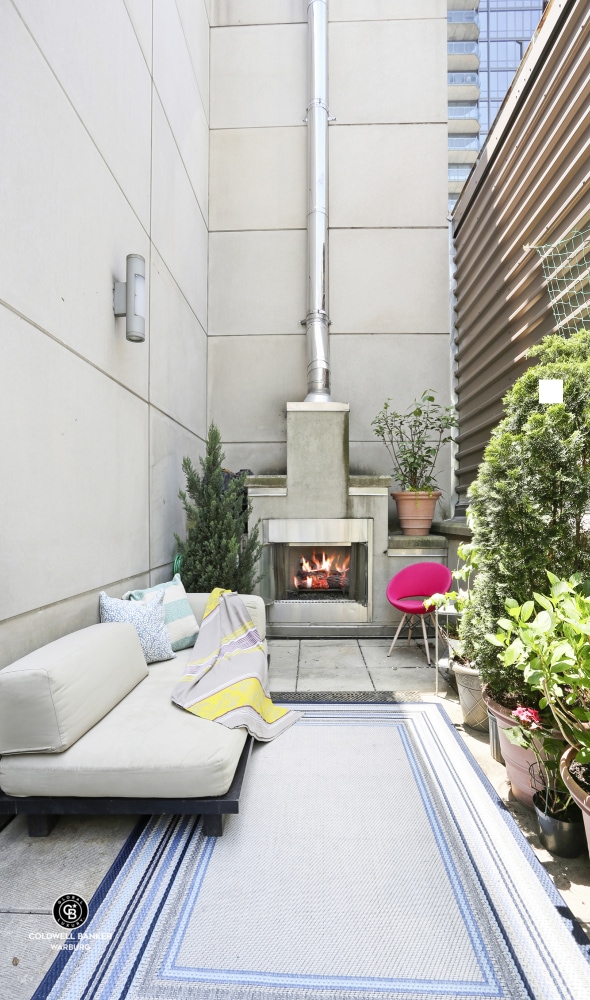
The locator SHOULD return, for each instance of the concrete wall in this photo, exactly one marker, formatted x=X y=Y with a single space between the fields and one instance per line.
x=388 y=204
x=105 y=142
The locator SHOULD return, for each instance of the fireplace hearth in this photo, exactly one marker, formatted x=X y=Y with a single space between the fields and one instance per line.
x=317 y=569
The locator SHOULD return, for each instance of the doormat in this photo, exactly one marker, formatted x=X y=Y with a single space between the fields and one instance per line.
x=371 y=860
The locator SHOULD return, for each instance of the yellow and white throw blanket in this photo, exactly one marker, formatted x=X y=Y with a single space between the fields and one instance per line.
x=226 y=678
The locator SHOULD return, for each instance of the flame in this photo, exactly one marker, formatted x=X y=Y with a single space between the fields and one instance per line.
x=319 y=569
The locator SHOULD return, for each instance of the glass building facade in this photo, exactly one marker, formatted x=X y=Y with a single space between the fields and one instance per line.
x=486 y=43
x=505 y=30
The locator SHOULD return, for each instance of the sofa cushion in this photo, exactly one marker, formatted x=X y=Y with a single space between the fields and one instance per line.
x=51 y=697
x=147 y=620
x=178 y=614
x=146 y=747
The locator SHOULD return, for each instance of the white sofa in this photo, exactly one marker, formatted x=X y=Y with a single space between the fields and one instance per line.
x=87 y=727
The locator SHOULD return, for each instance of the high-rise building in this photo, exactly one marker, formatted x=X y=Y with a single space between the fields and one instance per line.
x=486 y=42
x=505 y=30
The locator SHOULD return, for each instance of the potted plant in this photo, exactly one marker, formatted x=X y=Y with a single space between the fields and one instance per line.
x=561 y=829
x=527 y=511
x=469 y=689
x=217 y=552
x=413 y=440
x=546 y=639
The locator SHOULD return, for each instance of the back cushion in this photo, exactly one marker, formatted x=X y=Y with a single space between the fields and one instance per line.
x=51 y=697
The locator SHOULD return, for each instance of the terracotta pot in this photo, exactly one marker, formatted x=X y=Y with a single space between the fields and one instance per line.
x=475 y=713
x=415 y=509
x=517 y=759
x=580 y=797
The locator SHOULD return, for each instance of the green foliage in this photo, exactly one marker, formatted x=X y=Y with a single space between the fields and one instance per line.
x=216 y=552
x=414 y=439
x=456 y=600
x=547 y=640
x=529 y=500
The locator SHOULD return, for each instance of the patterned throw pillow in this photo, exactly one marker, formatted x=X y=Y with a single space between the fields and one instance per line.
x=148 y=621
x=180 y=621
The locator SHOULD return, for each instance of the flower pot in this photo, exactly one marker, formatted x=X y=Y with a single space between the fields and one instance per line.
x=517 y=759
x=475 y=713
x=565 y=839
x=415 y=510
x=580 y=797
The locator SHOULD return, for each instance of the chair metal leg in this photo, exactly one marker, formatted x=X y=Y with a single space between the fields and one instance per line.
x=396 y=634
x=422 y=617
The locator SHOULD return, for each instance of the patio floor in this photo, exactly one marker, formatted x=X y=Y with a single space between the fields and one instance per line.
x=78 y=853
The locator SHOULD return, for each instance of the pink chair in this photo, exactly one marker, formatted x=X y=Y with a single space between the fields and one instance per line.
x=410 y=587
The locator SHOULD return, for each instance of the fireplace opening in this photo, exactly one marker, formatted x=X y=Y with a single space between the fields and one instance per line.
x=320 y=572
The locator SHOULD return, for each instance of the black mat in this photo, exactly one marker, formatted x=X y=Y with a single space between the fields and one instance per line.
x=348 y=697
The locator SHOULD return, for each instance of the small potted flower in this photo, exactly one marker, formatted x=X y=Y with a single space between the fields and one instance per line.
x=413 y=440
x=561 y=828
x=547 y=638
x=474 y=711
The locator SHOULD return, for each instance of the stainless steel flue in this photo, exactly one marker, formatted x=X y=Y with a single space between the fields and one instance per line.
x=317 y=321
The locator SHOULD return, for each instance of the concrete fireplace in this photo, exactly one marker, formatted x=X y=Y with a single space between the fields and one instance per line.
x=327 y=553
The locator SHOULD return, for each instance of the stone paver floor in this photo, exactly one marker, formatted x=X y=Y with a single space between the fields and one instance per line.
x=79 y=851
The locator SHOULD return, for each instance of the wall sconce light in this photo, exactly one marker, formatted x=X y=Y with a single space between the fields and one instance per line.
x=551 y=390
x=129 y=298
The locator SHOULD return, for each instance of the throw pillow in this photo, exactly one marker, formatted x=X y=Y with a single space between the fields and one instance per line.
x=179 y=618
x=148 y=621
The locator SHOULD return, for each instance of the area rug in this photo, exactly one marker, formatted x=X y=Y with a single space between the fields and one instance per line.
x=371 y=860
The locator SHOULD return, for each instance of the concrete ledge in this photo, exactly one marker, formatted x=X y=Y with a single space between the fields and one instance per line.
x=453 y=528
x=398 y=541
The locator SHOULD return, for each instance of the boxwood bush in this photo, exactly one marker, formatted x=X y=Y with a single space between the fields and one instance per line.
x=529 y=503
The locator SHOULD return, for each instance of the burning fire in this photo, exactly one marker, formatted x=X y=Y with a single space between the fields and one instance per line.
x=322 y=572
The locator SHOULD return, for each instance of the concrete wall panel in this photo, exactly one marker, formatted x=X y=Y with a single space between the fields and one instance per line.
x=388 y=71
x=389 y=281
x=178 y=353
x=368 y=369
x=259 y=375
x=169 y=443
x=66 y=225
x=74 y=447
x=26 y=632
x=177 y=87
x=259 y=75
x=263 y=458
x=226 y=12
x=178 y=228
x=258 y=178
x=195 y=22
x=140 y=15
x=385 y=10
x=393 y=171
x=111 y=96
x=257 y=282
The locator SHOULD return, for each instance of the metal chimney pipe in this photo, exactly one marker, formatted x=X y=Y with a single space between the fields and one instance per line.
x=317 y=321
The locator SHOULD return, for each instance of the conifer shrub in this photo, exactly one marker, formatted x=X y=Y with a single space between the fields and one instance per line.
x=217 y=552
x=530 y=501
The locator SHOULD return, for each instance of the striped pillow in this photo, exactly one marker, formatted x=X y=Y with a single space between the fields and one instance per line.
x=179 y=618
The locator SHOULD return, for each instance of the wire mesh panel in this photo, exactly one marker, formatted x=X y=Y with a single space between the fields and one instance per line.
x=566 y=269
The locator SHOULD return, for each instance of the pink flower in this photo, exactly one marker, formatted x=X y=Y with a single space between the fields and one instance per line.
x=528 y=716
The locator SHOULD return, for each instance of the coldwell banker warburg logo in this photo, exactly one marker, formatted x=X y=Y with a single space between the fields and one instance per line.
x=70 y=911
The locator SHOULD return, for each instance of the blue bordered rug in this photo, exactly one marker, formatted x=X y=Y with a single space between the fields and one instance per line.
x=371 y=860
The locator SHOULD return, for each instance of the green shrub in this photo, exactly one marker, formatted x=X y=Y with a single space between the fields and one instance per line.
x=217 y=552
x=529 y=500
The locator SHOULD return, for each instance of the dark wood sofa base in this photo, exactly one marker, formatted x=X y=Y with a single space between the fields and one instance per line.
x=43 y=811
